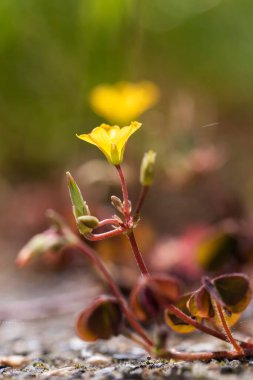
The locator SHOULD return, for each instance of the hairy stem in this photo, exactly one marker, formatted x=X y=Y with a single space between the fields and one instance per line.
x=227 y=330
x=137 y=254
x=124 y=192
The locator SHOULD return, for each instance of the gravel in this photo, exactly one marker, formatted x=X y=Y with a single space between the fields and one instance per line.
x=49 y=349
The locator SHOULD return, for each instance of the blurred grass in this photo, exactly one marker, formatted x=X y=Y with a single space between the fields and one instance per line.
x=52 y=52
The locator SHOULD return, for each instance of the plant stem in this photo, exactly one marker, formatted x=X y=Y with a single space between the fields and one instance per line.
x=130 y=235
x=135 y=338
x=217 y=334
x=104 y=235
x=192 y=356
x=137 y=253
x=142 y=197
x=186 y=318
x=105 y=222
x=91 y=254
x=227 y=330
x=124 y=192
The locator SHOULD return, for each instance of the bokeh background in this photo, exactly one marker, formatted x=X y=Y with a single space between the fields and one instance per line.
x=54 y=52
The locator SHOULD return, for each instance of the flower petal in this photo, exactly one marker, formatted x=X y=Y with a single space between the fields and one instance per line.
x=123 y=101
x=126 y=132
x=100 y=138
x=111 y=140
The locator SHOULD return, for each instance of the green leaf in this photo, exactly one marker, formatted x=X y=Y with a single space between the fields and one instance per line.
x=80 y=207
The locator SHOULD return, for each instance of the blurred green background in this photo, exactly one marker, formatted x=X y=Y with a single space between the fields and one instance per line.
x=53 y=52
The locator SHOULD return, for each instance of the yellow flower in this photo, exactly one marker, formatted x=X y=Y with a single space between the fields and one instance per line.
x=111 y=140
x=123 y=101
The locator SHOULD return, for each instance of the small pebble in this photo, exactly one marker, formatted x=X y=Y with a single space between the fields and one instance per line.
x=13 y=360
x=22 y=347
x=98 y=360
x=105 y=371
x=36 y=367
x=127 y=356
x=235 y=366
x=77 y=344
x=136 y=372
x=85 y=354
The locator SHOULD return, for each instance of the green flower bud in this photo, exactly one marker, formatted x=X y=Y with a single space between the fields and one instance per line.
x=80 y=207
x=147 y=168
x=87 y=223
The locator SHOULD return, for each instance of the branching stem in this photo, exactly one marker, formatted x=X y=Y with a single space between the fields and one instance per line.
x=91 y=254
x=105 y=235
x=111 y=221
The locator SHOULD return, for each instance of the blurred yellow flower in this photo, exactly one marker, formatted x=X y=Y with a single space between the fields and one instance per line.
x=111 y=140
x=123 y=101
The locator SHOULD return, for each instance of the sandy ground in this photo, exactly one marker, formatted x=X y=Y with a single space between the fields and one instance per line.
x=48 y=348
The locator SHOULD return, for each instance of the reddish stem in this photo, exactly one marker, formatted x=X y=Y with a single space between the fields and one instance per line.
x=142 y=197
x=144 y=271
x=192 y=356
x=124 y=191
x=135 y=338
x=137 y=253
x=104 y=235
x=91 y=254
x=105 y=222
x=186 y=318
x=227 y=330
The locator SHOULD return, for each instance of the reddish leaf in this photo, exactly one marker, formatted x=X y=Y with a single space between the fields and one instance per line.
x=151 y=294
x=234 y=289
x=215 y=250
x=200 y=305
x=100 y=320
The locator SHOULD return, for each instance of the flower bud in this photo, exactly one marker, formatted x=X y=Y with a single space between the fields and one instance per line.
x=117 y=203
x=49 y=240
x=87 y=223
x=147 y=168
x=80 y=207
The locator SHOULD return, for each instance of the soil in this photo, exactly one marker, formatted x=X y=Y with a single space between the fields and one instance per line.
x=48 y=348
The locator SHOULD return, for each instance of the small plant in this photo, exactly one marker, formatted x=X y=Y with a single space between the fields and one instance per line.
x=156 y=300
